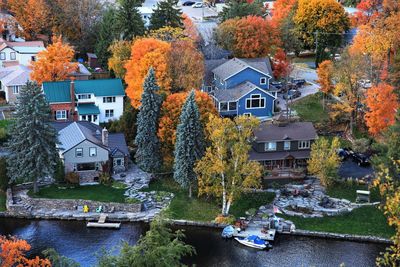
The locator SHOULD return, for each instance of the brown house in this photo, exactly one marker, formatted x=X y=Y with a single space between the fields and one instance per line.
x=283 y=145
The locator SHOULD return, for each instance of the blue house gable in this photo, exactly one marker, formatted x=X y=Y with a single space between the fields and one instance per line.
x=242 y=87
x=244 y=99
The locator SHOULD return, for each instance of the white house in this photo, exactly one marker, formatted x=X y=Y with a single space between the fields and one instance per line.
x=23 y=53
x=146 y=13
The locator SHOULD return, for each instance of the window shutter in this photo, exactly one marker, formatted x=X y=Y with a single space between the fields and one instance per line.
x=55 y=115
x=67 y=117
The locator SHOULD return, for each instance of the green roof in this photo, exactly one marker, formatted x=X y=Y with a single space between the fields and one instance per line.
x=88 y=109
x=58 y=92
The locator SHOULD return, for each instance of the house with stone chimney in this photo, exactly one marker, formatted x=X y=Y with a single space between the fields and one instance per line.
x=88 y=150
x=95 y=101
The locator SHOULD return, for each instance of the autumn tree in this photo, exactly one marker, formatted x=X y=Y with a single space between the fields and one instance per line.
x=320 y=24
x=128 y=19
x=54 y=63
x=287 y=33
x=325 y=78
x=241 y=8
x=120 y=53
x=248 y=37
x=146 y=53
x=382 y=105
x=185 y=66
x=190 y=30
x=169 y=119
x=31 y=15
x=166 y=13
x=12 y=253
x=281 y=10
x=226 y=171
x=281 y=65
x=367 y=10
x=324 y=160
x=168 y=34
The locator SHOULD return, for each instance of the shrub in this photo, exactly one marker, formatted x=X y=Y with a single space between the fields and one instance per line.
x=59 y=173
x=72 y=178
x=105 y=178
x=3 y=135
x=251 y=212
x=3 y=174
x=361 y=145
x=225 y=219
x=131 y=200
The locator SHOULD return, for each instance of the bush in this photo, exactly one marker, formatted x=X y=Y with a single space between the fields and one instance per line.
x=105 y=178
x=3 y=174
x=361 y=145
x=59 y=172
x=3 y=135
x=251 y=212
x=72 y=178
x=131 y=200
x=225 y=219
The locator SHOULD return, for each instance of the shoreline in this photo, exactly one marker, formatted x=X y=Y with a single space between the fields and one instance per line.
x=297 y=232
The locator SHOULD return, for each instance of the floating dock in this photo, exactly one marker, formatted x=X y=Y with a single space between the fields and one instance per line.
x=269 y=235
x=102 y=223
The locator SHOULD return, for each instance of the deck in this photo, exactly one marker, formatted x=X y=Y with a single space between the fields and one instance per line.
x=254 y=229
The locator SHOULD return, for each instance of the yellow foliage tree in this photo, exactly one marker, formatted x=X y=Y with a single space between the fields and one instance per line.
x=120 y=54
x=54 y=63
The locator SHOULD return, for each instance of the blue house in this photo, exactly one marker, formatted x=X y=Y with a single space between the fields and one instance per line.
x=242 y=87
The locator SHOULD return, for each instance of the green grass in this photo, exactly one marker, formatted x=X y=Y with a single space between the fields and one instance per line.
x=250 y=201
x=310 y=109
x=362 y=221
x=348 y=191
x=4 y=123
x=88 y=192
x=2 y=201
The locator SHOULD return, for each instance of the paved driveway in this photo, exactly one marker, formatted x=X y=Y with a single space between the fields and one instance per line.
x=348 y=169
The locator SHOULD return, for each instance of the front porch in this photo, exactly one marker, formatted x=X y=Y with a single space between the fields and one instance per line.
x=286 y=173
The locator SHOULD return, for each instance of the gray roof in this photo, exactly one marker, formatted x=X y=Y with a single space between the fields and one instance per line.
x=209 y=66
x=81 y=71
x=91 y=55
x=254 y=155
x=292 y=131
x=71 y=134
x=236 y=65
x=234 y=93
x=15 y=75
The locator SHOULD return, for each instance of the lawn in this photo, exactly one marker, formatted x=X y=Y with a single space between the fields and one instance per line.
x=362 y=221
x=200 y=209
x=88 y=192
x=2 y=201
x=4 y=123
x=348 y=191
x=310 y=108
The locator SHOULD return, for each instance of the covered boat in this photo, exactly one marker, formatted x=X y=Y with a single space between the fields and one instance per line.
x=228 y=231
x=253 y=241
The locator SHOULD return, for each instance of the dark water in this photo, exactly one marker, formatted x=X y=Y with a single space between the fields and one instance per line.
x=75 y=241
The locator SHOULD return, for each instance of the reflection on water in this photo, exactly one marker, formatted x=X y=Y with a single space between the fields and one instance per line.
x=74 y=240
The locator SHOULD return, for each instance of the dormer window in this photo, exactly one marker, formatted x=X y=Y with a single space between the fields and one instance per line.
x=263 y=80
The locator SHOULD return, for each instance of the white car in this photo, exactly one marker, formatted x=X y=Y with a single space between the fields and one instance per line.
x=198 y=5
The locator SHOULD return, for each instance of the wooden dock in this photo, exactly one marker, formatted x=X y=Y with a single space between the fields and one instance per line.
x=101 y=223
x=256 y=230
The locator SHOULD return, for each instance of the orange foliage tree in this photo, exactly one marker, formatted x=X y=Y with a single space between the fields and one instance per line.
x=248 y=37
x=367 y=11
x=12 y=252
x=31 y=15
x=190 y=29
x=325 y=76
x=382 y=106
x=186 y=66
x=281 y=10
x=281 y=65
x=169 y=119
x=146 y=53
x=54 y=63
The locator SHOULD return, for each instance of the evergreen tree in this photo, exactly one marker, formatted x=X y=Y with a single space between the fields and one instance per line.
x=106 y=35
x=148 y=156
x=189 y=145
x=166 y=13
x=239 y=9
x=129 y=21
x=33 y=140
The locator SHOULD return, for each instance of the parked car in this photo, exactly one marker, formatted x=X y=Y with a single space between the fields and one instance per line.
x=361 y=159
x=198 y=5
x=343 y=153
x=188 y=3
x=292 y=94
x=277 y=85
x=299 y=82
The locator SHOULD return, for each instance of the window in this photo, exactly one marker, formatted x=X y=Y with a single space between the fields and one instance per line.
x=61 y=114
x=78 y=153
x=270 y=146
x=92 y=151
x=15 y=89
x=84 y=96
x=86 y=166
x=33 y=58
x=255 y=101
x=83 y=117
x=304 y=144
x=232 y=106
x=109 y=113
x=223 y=106
x=109 y=99
x=263 y=80
x=13 y=56
x=286 y=145
x=2 y=56
x=118 y=162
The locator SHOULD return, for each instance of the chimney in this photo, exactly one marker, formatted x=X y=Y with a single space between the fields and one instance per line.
x=72 y=93
x=104 y=137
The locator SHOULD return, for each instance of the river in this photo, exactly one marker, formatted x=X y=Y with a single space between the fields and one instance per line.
x=74 y=240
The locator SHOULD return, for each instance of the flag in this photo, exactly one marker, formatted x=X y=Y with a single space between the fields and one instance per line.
x=276 y=210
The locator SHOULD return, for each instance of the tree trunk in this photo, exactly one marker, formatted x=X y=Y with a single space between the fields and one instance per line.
x=351 y=122
x=323 y=101
x=223 y=196
x=228 y=206
x=190 y=191
x=35 y=187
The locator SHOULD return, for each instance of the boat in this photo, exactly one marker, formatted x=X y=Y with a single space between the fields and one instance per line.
x=228 y=232
x=103 y=224
x=253 y=241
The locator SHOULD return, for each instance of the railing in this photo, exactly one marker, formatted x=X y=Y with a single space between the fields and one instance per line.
x=294 y=173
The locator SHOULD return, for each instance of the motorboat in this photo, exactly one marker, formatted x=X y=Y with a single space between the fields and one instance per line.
x=228 y=232
x=253 y=241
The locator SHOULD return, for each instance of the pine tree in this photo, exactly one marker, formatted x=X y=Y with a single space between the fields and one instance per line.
x=166 y=13
x=148 y=156
x=239 y=9
x=106 y=35
x=189 y=146
x=33 y=140
x=129 y=21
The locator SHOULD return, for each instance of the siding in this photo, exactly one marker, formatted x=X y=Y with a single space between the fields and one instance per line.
x=294 y=146
x=70 y=158
x=261 y=112
x=248 y=75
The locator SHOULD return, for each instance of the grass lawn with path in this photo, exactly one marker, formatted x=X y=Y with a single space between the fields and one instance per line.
x=348 y=191
x=2 y=201
x=88 y=192
x=201 y=209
